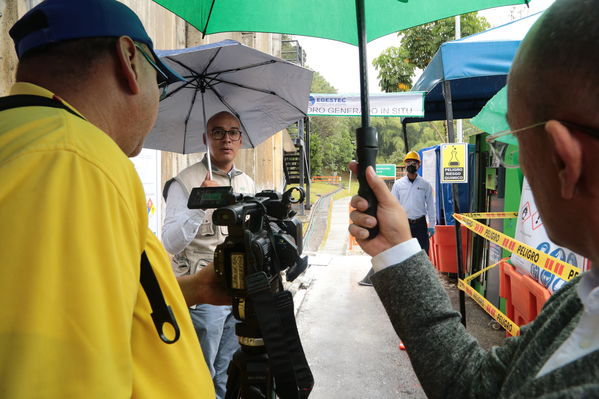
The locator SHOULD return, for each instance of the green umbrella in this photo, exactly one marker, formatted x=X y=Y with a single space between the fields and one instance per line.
x=350 y=21
x=492 y=118
x=329 y=19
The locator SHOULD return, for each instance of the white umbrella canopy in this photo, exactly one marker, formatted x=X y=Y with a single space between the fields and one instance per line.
x=266 y=93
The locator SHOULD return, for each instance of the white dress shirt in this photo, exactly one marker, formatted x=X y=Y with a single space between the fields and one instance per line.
x=181 y=224
x=585 y=337
x=416 y=198
x=583 y=340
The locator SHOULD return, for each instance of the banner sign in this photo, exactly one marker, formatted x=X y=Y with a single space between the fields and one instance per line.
x=407 y=103
x=385 y=169
x=530 y=231
x=148 y=167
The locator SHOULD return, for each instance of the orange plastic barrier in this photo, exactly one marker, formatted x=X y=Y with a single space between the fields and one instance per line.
x=524 y=296
x=327 y=179
x=445 y=248
x=352 y=240
x=432 y=252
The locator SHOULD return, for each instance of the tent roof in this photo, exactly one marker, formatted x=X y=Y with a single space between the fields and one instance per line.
x=476 y=67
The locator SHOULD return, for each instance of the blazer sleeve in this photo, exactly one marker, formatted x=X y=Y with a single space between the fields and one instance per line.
x=447 y=360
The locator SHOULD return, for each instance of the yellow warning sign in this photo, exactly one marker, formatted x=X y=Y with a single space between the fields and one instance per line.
x=454 y=163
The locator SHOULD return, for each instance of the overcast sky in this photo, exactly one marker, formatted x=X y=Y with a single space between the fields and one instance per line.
x=338 y=62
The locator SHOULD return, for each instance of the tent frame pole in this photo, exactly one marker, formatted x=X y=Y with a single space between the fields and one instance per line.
x=454 y=189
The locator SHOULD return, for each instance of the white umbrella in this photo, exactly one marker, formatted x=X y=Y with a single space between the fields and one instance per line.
x=266 y=93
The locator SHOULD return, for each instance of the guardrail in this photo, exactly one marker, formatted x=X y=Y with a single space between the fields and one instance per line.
x=327 y=179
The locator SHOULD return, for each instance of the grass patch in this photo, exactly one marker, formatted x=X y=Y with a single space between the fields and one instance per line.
x=347 y=191
x=318 y=189
x=326 y=233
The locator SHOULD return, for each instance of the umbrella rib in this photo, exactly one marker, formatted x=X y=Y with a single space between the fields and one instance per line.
x=195 y=94
x=243 y=67
x=272 y=93
x=236 y=115
x=211 y=61
x=210 y=14
x=195 y=77
x=192 y=71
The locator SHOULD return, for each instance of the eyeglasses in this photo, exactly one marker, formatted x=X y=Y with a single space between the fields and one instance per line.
x=161 y=77
x=219 y=134
x=508 y=157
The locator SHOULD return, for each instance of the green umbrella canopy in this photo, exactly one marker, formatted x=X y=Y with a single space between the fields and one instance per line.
x=492 y=118
x=329 y=19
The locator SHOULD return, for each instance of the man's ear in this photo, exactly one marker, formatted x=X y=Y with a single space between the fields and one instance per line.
x=567 y=157
x=204 y=138
x=128 y=63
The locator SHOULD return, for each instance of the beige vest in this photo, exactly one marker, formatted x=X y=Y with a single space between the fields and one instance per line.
x=201 y=250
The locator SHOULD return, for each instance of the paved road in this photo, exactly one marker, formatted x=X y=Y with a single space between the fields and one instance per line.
x=349 y=341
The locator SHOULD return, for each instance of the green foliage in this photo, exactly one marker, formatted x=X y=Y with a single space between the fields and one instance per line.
x=321 y=85
x=396 y=65
x=331 y=140
x=395 y=69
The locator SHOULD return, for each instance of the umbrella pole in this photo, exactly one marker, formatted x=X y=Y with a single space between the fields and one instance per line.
x=207 y=137
x=366 y=136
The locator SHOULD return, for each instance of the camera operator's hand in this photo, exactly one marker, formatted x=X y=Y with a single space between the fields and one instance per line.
x=204 y=287
x=390 y=216
x=208 y=183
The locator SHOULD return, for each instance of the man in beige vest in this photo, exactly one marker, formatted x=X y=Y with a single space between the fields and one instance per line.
x=191 y=237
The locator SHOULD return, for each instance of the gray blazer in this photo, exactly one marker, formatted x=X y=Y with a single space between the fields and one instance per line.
x=449 y=362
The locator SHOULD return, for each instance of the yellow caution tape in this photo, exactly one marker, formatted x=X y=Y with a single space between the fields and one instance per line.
x=553 y=265
x=491 y=215
x=488 y=307
x=478 y=273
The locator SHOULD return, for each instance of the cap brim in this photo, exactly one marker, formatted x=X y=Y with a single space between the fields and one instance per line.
x=173 y=77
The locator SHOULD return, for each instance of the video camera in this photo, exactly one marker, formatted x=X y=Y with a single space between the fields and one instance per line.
x=264 y=239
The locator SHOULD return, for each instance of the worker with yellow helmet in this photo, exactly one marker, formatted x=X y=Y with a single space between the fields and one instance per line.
x=416 y=196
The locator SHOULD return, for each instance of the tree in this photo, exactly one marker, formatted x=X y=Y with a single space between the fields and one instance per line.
x=396 y=65
x=395 y=69
x=331 y=140
x=321 y=85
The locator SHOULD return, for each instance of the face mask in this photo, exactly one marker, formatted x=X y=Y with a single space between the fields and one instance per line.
x=412 y=169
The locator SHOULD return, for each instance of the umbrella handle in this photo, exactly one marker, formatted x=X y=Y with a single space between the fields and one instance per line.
x=367 y=139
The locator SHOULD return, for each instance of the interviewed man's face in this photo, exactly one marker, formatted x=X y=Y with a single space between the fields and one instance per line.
x=224 y=150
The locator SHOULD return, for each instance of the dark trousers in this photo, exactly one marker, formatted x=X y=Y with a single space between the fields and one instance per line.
x=418 y=228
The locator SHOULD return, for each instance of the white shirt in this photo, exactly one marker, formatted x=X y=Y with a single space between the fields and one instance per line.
x=585 y=337
x=416 y=198
x=583 y=340
x=181 y=224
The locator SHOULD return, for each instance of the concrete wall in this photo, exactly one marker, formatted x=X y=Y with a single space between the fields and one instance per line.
x=264 y=163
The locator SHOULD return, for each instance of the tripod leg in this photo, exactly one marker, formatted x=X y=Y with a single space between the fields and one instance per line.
x=234 y=378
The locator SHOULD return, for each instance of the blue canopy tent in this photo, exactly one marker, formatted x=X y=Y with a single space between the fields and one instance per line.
x=465 y=73
x=462 y=76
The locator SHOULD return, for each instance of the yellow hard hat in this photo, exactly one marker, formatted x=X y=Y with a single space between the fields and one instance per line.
x=413 y=155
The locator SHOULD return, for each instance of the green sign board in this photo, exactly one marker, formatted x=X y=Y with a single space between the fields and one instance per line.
x=385 y=170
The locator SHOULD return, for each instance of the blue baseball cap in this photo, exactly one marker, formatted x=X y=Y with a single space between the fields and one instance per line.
x=53 y=21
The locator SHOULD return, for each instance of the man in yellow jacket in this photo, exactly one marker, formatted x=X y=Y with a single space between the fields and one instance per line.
x=75 y=320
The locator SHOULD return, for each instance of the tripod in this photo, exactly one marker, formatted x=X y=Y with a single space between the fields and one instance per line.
x=271 y=359
x=250 y=376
